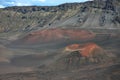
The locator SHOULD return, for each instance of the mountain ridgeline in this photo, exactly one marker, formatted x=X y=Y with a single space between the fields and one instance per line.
x=102 y=14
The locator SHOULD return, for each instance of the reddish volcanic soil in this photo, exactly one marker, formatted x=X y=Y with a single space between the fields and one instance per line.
x=85 y=49
x=57 y=34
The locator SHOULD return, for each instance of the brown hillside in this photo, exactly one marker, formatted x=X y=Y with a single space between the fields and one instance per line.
x=57 y=34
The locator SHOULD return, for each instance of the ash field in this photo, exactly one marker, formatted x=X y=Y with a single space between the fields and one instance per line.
x=71 y=41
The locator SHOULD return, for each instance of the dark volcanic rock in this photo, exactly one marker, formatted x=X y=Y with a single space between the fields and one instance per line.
x=91 y=14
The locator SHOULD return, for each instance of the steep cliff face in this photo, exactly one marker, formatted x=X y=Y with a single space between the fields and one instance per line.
x=91 y=14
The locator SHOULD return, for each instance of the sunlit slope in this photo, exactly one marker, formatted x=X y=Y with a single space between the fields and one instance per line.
x=82 y=15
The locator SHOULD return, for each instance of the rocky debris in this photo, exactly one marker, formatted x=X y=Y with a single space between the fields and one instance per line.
x=90 y=14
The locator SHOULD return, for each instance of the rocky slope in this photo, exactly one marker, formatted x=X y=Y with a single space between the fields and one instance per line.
x=92 y=14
